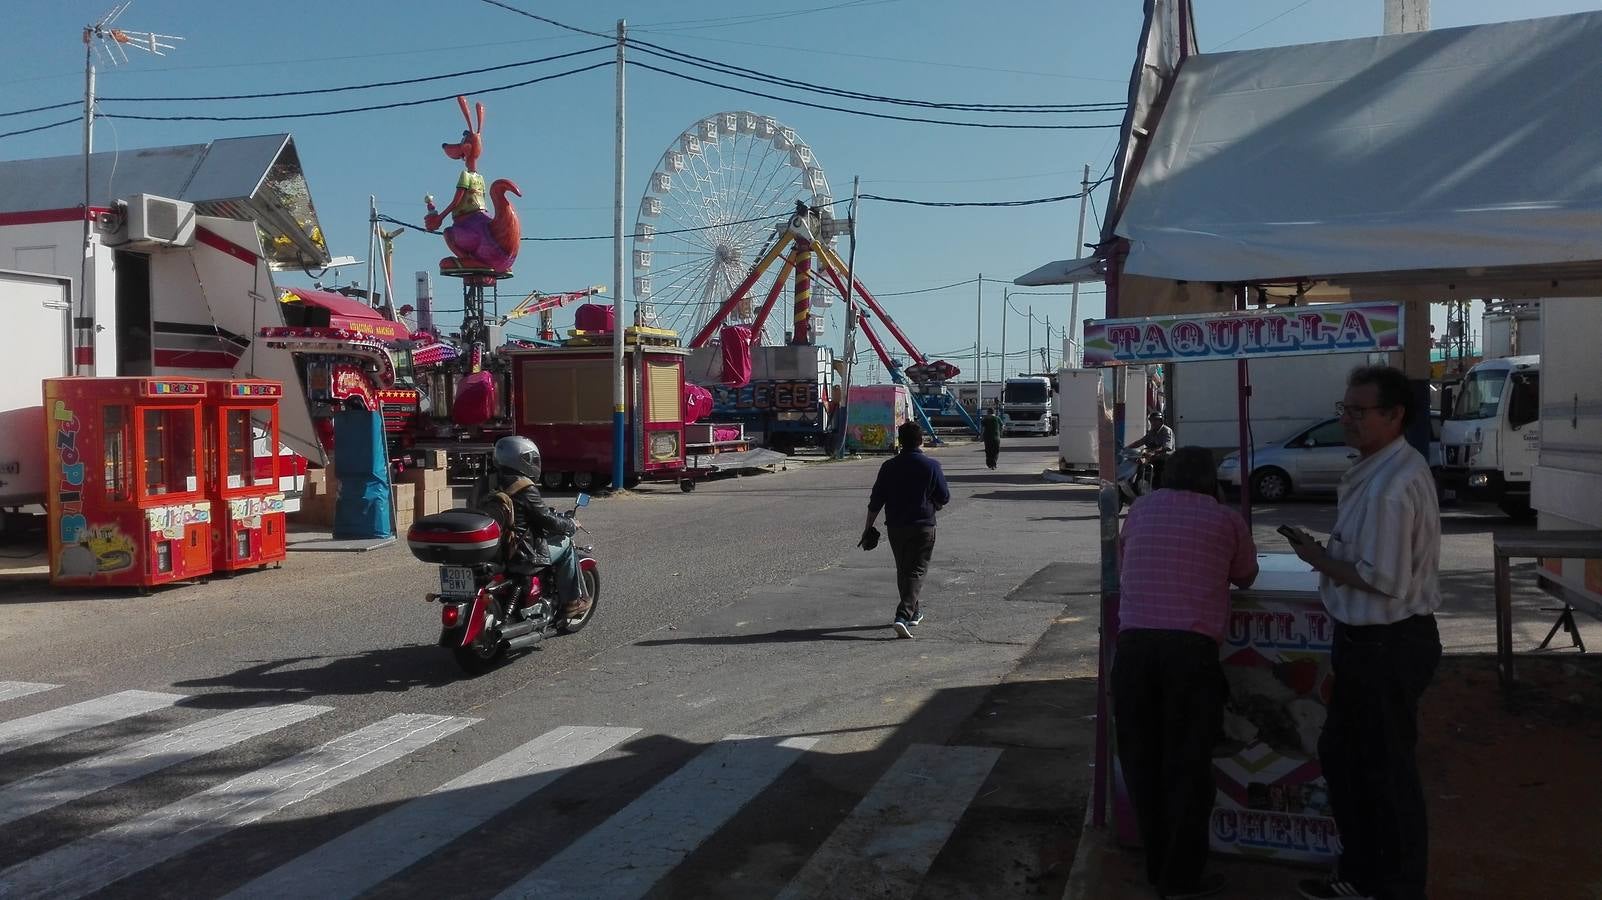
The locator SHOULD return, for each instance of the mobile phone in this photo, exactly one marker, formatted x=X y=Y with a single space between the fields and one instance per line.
x=1293 y=535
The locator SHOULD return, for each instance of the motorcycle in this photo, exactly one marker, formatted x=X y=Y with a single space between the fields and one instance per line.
x=1135 y=475
x=485 y=611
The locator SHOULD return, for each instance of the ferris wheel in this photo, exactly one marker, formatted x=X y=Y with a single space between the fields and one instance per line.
x=708 y=214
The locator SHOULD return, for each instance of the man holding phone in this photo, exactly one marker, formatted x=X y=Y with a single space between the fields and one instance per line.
x=1379 y=580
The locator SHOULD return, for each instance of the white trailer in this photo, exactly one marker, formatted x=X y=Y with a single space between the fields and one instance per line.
x=37 y=343
x=1566 y=490
x=176 y=281
x=1288 y=393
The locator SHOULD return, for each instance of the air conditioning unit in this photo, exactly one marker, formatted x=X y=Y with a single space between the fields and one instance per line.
x=160 y=220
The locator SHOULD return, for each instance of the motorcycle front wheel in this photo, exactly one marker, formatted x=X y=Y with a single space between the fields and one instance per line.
x=592 y=584
x=482 y=655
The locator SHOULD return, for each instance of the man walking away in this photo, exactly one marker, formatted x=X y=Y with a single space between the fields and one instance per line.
x=910 y=489
x=1379 y=578
x=1179 y=552
x=991 y=426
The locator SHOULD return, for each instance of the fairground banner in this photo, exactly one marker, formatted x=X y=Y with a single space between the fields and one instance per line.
x=1290 y=331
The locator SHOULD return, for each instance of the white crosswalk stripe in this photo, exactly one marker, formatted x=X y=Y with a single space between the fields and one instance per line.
x=55 y=723
x=632 y=850
x=885 y=846
x=11 y=690
x=360 y=859
x=86 y=776
x=87 y=865
x=889 y=841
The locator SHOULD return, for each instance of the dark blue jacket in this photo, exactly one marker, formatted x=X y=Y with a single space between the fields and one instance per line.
x=910 y=488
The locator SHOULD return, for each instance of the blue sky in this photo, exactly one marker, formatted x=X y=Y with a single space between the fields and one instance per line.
x=555 y=139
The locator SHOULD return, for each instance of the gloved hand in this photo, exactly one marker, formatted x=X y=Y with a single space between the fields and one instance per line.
x=870 y=538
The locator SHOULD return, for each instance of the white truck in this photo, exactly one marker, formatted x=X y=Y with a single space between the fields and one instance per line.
x=1492 y=434
x=1026 y=405
x=1566 y=489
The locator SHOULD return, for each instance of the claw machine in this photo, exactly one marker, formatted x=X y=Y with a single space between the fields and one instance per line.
x=126 y=500
x=247 y=525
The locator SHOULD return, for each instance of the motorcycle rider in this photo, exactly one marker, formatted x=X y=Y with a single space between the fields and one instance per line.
x=542 y=537
x=1158 y=442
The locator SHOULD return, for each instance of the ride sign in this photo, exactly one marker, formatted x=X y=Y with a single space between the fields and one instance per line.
x=1287 y=331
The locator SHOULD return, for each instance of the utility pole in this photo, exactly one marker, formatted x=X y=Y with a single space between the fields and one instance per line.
x=372 y=244
x=1031 y=342
x=978 y=335
x=1079 y=247
x=1005 y=305
x=1045 y=351
x=851 y=325
x=619 y=331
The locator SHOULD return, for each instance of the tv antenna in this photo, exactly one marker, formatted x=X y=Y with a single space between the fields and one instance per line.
x=104 y=41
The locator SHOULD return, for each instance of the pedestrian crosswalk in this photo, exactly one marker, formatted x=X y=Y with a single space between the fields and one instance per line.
x=889 y=840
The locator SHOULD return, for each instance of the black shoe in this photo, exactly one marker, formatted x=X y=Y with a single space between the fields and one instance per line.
x=916 y=620
x=902 y=631
x=1206 y=886
x=1331 y=888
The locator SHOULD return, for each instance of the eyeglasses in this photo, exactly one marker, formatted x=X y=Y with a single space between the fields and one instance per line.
x=1354 y=410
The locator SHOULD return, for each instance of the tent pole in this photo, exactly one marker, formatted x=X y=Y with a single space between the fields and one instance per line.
x=1243 y=413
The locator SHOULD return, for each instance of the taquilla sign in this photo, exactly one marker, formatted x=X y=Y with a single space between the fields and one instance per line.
x=1289 y=331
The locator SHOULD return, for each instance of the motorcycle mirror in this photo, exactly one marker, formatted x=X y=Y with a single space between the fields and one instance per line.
x=583 y=500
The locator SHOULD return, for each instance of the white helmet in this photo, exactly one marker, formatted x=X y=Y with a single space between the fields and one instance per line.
x=517 y=454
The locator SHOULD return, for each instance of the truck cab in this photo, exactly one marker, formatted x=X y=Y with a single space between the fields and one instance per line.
x=1026 y=406
x=1491 y=438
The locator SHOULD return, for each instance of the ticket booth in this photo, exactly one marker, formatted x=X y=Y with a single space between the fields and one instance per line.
x=126 y=504
x=241 y=437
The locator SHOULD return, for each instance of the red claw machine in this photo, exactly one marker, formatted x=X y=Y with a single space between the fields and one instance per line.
x=126 y=501
x=247 y=524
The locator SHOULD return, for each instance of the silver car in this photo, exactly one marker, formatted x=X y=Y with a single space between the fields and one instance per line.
x=1310 y=461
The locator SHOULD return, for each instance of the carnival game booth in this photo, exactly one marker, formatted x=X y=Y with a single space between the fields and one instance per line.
x=1400 y=170
x=248 y=527
x=127 y=504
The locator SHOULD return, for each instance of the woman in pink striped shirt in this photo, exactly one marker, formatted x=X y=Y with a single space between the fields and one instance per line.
x=1178 y=554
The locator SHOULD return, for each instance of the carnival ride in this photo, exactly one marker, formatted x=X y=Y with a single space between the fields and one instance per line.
x=705 y=252
x=706 y=216
x=803 y=244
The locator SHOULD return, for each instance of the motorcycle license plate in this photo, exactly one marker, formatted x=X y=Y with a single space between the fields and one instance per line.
x=456 y=581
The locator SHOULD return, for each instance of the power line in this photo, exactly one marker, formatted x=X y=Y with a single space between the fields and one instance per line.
x=753 y=18
x=357 y=109
x=983 y=203
x=702 y=62
x=1263 y=24
x=860 y=112
x=350 y=87
x=41 y=127
x=603 y=237
x=23 y=112
x=929 y=290
x=539 y=18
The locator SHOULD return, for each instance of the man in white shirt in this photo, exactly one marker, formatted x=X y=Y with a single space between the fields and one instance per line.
x=1379 y=580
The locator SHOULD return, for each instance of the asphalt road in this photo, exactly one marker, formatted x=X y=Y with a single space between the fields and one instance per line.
x=738 y=721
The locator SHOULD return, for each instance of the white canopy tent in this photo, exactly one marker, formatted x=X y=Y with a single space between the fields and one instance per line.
x=1464 y=162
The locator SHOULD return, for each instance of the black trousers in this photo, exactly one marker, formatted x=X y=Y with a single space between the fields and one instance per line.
x=1368 y=753
x=992 y=450
x=1168 y=695
x=912 y=546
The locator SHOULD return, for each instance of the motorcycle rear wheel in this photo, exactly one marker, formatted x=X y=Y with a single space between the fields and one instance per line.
x=592 y=584
x=484 y=654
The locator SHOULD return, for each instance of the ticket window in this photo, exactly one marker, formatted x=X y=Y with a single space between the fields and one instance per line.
x=169 y=452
